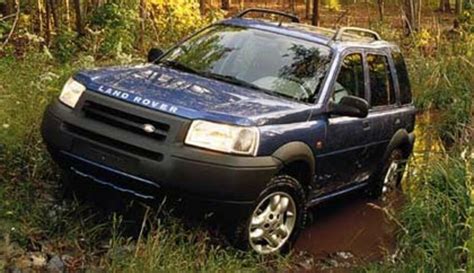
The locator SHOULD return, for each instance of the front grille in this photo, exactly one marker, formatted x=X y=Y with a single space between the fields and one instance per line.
x=86 y=134
x=124 y=120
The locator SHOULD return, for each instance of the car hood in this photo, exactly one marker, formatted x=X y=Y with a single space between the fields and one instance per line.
x=192 y=96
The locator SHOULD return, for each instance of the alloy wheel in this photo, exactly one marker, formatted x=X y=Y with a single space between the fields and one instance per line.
x=272 y=222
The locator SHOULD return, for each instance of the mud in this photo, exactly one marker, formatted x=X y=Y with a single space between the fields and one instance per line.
x=349 y=232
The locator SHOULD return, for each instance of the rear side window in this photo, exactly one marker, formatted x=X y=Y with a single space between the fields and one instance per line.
x=403 y=80
x=350 y=80
x=381 y=83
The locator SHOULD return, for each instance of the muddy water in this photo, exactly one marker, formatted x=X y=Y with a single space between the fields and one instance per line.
x=349 y=232
x=353 y=230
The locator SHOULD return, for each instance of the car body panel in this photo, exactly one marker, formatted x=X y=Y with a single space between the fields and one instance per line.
x=192 y=96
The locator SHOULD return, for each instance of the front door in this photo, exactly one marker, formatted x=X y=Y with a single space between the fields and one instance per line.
x=344 y=155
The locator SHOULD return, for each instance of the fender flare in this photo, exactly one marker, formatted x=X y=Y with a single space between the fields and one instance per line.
x=401 y=139
x=296 y=151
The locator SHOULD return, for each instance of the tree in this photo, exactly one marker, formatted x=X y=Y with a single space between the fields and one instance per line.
x=225 y=4
x=381 y=6
x=77 y=10
x=308 y=9
x=444 y=6
x=412 y=12
x=458 y=7
x=202 y=6
x=292 y=5
x=142 y=12
x=315 y=18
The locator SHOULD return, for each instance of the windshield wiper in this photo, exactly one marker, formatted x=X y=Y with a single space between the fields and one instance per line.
x=239 y=82
x=180 y=66
x=233 y=80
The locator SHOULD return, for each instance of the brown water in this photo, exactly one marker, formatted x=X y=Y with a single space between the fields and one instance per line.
x=352 y=230
x=348 y=232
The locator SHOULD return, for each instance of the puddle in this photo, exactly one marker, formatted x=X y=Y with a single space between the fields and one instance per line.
x=353 y=230
x=350 y=231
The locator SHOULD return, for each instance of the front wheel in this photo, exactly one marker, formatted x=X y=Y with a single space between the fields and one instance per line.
x=276 y=219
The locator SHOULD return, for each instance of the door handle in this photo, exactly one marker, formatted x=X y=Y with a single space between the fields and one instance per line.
x=365 y=125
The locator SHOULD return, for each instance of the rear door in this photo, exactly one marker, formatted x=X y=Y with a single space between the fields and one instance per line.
x=384 y=114
x=407 y=110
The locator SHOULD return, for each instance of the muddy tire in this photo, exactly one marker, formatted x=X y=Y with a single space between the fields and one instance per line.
x=388 y=176
x=275 y=220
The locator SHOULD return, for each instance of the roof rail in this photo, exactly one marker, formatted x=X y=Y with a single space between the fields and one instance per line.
x=341 y=31
x=293 y=18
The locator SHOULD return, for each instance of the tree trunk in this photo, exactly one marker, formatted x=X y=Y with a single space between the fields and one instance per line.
x=308 y=9
x=40 y=16
x=202 y=7
x=241 y=4
x=292 y=5
x=444 y=6
x=142 y=13
x=54 y=13
x=412 y=13
x=225 y=4
x=68 y=14
x=381 y=6
x=315 y=20
x=459 y=4
x=77 y=10
x=48 y=22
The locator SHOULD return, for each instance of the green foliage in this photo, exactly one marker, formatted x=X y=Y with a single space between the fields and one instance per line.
x=113 y=29
x=444 y=83
x=173 y=20
x=65 y=45
x=4 y=28
x=435 y=220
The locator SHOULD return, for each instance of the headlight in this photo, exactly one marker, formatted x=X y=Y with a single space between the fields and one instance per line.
x=71 y=93
x=223 y=138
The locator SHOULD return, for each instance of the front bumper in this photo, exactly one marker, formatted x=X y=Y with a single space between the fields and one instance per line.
x=118 y=158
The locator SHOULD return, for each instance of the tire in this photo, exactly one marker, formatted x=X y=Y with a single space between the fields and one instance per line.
x=267 y=229
x=388 y=176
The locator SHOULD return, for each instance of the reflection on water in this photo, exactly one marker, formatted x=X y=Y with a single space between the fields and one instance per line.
x=354 y=230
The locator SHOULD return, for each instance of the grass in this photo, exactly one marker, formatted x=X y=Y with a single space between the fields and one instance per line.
x=34 y=218
x=435 y=221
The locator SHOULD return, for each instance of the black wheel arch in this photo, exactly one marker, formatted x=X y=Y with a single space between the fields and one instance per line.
x=402 y=140
x=297 y=160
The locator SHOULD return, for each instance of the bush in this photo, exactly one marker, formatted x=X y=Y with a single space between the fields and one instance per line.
x=173 y=20
x=64 y=46
x=114 y=29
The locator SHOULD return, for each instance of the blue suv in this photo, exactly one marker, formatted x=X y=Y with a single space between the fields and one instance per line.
x=273 y=117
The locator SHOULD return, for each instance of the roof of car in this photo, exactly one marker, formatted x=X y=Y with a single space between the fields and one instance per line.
x=308 y=32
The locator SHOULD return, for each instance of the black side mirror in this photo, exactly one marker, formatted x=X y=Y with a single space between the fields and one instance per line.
x=350 y=106
x=154 y=54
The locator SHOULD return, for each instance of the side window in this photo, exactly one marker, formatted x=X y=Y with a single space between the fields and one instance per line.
x=381 y=83
x=350 y=80
x=403 y=80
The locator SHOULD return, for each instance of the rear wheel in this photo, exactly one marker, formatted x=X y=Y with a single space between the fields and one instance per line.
x=276 y=219
x=389 y=177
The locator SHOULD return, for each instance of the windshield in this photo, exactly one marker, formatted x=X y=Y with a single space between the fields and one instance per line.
x=261 y=60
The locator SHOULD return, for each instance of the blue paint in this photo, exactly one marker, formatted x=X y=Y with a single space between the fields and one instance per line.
x=192 y=96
